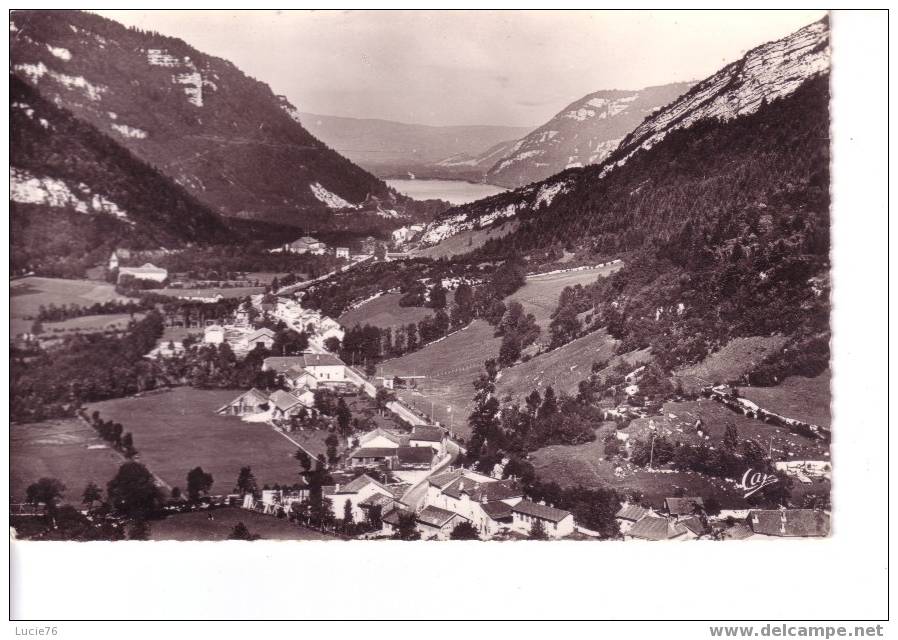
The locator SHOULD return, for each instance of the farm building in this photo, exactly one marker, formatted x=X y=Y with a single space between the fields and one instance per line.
x=414 y=457
x=250 y=403
x=653 y=528
x=306 y=244
x=284 y=404
x=683 y=507
x=433 y=437
x=146 y=272
x=381 y=438
x=437 y=524
x=263 y=336
x=789 y=523
x=557 y=523
x=630 y=515
x=372 y=457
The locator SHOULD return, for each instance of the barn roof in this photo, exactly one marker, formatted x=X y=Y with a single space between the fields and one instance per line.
x=541 y=511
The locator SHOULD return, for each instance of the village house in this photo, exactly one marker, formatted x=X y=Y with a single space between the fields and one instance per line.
x=683 y=507
x=373 y=457
x=557 y=523
x=400 y=235
x=285 y=404
x=357 y=492
x=214 y=334
x=654 y=528
x=437 y=524
x=789 y=523
x=409 y=458
x=263 y=336
x=342 y=252
x=380 y=437
x=424 y=436
x=146 y=272
x=250 y=403
x=327 y=368
x=629 y=515
x=484 y=501
x=306 y=244
x=298 y=378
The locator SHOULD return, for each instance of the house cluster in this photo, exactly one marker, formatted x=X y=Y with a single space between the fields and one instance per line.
x=320 y=328
x=302 y=375
x=403 y=235
x=685 y=519
x=419 y=450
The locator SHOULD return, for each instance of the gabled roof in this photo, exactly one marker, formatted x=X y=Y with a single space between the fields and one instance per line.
x=264 y=332
x=541 y=511
x=377 y=500
x=320 y=360
x=682 y=506
x=738 y=532
x=374 y=433
x=632 y=512
x=789 y=522
x=373 y=452
x=415 y=455
x=695 y=525
x=652 y=528
x=283 y=400
x=282 y=364
x=497 y=510
x=252 y=394
x=427 y=434
x=483 y=491
x=436 y=517
x=443 y=479
x=360 y=483
x=392 y=516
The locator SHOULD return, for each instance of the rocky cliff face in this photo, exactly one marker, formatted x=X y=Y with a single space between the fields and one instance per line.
x=220 y=134
x=769 y=72
x=583 y=133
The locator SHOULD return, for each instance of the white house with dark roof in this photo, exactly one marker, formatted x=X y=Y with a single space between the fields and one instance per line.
x=326 y=367
x=557 y=523
x=285 y=404
x=214 y=334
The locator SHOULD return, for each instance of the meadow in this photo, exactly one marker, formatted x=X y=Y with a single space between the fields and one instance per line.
x=196 y=525
x=730 y=363
x=177 y=430
x=806 y=399
x=226 y=292
x=68 y=450
x=27 y=295
x=384 y=312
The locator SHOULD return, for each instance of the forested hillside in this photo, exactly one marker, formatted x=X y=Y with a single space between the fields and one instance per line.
x=728 y=219
x=76 y=194
x=222 y=135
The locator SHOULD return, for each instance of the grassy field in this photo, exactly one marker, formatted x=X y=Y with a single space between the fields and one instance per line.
x=562 y=368
x=196 y=525
x=585 y=465
x=226 y=292
x=806 y=399
x=28 y=294
x=729 y=364
x=453 y=364
x=59 y=449
x=385 y=312
x=177 y=430
x=678 y=418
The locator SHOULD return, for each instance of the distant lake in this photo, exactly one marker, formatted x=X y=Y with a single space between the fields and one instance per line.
x=454 y=191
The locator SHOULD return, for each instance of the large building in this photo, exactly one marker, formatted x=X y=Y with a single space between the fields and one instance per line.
x=306 y=244
x=326 y=367
x=146 y=272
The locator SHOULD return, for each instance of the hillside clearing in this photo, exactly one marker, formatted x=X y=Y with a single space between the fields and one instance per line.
x=738 y=357
x=383 y=312
x=466 y=241
x=806 y=399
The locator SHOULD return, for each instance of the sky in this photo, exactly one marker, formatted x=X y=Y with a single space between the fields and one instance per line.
x=515 y=68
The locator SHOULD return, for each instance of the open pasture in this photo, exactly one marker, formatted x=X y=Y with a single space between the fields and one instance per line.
x=68 y=450
x=177 y=430
x=27 y=295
